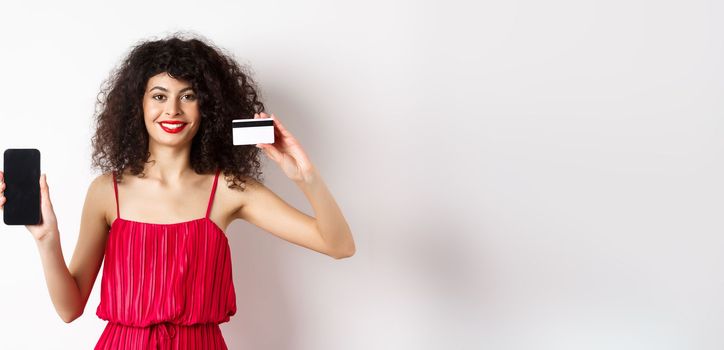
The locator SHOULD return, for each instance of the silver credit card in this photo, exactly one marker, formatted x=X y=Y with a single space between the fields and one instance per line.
x=252 y=131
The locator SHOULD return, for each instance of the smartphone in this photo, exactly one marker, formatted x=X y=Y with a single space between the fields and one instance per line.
x=22 y=186
x=252 y=131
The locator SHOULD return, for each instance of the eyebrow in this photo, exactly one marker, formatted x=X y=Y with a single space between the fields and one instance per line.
x=166 y=90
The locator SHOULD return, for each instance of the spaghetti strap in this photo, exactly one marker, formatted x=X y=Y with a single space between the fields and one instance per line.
x=115 y=190
x=213 y=191
x=167 y=286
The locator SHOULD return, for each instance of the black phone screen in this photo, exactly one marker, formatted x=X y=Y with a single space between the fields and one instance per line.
x=22 y=187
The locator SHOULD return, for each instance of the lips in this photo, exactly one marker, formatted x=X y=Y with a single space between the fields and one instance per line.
x=172 y=128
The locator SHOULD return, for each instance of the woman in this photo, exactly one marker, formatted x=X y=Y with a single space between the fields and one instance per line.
x=163 y=138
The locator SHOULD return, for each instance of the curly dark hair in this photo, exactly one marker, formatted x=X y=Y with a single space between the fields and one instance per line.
x=225 y=92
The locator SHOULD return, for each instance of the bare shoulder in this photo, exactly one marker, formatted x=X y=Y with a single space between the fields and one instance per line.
x=101 y=196
x=234 y=199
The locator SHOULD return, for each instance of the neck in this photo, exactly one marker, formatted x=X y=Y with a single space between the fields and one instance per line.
x=168 y=164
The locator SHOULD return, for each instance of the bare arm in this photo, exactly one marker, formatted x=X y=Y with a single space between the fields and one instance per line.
x=328 y=233
x=331 y=224
x=90 y=247
x=69 y=288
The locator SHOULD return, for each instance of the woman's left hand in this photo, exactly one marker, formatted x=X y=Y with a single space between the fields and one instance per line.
x=287 y=152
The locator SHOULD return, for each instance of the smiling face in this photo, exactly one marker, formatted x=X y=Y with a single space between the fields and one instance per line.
x=170 y=110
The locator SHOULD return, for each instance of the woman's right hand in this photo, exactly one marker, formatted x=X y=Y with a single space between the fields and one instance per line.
x=48 y=227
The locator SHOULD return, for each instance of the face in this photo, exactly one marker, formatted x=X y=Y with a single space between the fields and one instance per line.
x=170 y=110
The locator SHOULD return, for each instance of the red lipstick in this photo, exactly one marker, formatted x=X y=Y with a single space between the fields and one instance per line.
x=174 y=130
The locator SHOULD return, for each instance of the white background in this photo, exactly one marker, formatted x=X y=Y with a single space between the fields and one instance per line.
x=517 y=174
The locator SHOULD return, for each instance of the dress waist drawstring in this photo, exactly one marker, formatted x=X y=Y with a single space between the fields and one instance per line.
x=161 y=334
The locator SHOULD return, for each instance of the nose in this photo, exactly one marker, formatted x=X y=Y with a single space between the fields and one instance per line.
x=172 y=108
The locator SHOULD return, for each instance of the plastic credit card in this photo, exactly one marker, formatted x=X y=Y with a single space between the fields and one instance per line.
x=252 y=131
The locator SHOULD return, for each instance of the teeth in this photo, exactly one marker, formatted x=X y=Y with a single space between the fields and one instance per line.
x=172 y=126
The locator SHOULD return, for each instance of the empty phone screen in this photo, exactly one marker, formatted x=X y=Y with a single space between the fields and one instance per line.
x=22 y=189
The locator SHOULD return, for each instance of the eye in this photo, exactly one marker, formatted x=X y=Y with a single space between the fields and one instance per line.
x=189 y=97
x=158 y=97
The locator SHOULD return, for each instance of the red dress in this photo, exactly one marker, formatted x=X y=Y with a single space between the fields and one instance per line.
x=166 y=286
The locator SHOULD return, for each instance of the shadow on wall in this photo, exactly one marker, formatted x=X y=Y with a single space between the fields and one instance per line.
x=263 y=319
x=450 y=267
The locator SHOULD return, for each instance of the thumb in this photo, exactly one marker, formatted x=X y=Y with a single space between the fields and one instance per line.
x=44 y=193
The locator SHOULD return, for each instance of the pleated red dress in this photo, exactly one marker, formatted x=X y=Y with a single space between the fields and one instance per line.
x=166 y=286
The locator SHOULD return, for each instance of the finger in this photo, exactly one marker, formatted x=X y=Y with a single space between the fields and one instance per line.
x=45 y=192
x=2 y=176
x=272 y=152
x=2 y=191
x=279 y=137
x=281 y=127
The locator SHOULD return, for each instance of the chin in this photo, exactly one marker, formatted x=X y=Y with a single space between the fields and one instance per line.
x=163 y=138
